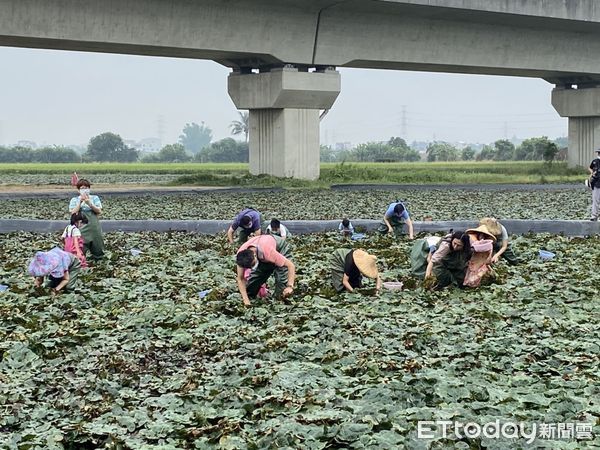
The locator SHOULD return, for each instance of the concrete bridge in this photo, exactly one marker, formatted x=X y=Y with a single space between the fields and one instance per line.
x=284 y=53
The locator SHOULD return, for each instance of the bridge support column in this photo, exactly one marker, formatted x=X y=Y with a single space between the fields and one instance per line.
x=284 y=106
x=582 y=107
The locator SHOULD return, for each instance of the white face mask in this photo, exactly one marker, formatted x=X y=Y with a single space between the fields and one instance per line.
x=84 y=191
x=255 y=264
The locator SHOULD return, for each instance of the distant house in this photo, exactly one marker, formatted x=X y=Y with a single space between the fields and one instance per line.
x=146 y=145
x=341 y=146
x=27 y=144
x=150 y=145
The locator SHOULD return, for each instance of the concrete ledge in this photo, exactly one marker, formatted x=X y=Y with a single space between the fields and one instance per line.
x=565 y=227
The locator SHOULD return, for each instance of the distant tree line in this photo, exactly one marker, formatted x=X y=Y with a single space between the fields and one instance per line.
x=195 y=144
x=225 y=150
x=537 y=148
x=394 y=150
x=49 y=154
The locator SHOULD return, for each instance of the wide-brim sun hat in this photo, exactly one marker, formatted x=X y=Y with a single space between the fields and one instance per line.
x=483 y=230
x=367 y=264
x=483 y=246
x=492 y=225
x=42 y=264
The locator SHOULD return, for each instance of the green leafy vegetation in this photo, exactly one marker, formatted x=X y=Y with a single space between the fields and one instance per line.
x=440 y=204
x=133 y=359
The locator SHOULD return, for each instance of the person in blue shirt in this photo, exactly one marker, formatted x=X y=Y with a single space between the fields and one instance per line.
x=394 y=218
x=249 y=220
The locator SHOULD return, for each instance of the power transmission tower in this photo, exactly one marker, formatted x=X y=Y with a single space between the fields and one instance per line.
x=404 y=123
x=160 y=128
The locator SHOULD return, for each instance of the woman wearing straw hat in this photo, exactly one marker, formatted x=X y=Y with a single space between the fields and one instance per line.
x=502 y=248
x=479 y=263
x=61 y=268
x=482 y=232
x=349 y=266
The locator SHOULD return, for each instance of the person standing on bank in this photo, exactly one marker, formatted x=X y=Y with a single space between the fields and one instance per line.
x=266 y=255
x=249 y=220
x=348 y=267
x=594 y=170
x=394 y=218
x=91 y=207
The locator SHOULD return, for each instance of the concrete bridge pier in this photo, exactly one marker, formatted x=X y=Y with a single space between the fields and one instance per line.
x=582 y=107
x=284 y=105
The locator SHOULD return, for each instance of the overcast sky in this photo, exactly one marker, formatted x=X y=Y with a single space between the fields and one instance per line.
x=58 y=97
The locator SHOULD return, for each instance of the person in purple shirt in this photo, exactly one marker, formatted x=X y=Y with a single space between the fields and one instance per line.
x=249 y=221
x=394 y=218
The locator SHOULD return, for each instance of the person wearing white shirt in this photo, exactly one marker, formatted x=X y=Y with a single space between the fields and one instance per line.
x=276 y=228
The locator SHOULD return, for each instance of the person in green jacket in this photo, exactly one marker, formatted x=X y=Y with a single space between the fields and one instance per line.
x=421 y=254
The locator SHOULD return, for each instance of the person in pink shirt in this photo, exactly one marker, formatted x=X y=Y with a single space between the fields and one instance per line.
x=266 y=255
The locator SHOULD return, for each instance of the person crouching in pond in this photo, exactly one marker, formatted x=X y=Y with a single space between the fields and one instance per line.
x=91 y=208
x=480 y=233
x=449 y=262
x=479 y=267
x=249 y=220
x=276 y=228
x=349 y=266
x=61 y=268
x=345 y=228
x=502 y=247
x=266 y=255
x=394 y=218
x=421 y=254
x=72 y=239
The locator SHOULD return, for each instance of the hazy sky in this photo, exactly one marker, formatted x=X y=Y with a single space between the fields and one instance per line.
x=57 y=97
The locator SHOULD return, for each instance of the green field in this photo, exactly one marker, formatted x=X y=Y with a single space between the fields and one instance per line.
x=331 y=173
x=323 y=204
x=134 y=359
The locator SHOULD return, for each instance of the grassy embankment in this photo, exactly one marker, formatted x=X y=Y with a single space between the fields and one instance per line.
x=331 y=173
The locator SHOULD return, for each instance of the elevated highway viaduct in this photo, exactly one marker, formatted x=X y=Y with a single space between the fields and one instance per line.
x=284 y=53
